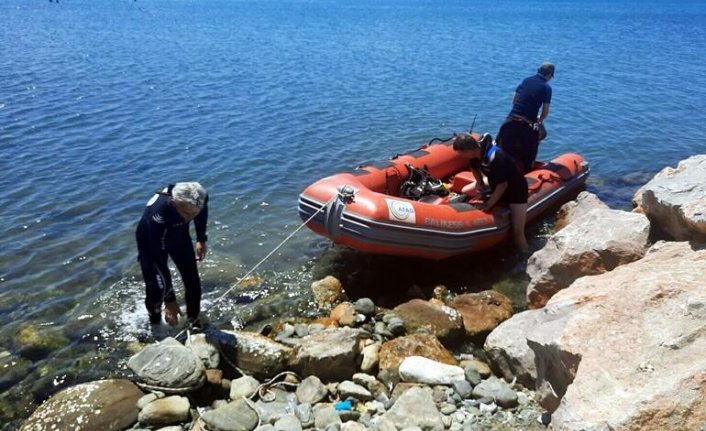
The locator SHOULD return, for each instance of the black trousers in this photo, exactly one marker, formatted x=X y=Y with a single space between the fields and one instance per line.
x=158 y=280
x=519 y=140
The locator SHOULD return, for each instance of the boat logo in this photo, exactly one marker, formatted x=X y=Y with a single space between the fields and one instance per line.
x=401 y=211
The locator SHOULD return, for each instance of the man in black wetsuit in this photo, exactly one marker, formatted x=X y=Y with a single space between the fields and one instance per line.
x=164 y=231
x=508 y=186
x=519 y=135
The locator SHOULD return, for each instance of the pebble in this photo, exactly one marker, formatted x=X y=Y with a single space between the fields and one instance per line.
x=447 y=409
x=365 y=306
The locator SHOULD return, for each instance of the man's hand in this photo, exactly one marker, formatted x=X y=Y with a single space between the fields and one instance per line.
x=200 y=250
x=171 y=313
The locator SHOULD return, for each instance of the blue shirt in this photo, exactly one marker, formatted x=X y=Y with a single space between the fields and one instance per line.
x=530 y=95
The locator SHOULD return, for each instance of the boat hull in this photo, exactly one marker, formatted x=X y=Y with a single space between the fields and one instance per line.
x=374 y=219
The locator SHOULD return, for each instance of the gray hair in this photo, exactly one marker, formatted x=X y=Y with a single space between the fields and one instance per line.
x=191 y=193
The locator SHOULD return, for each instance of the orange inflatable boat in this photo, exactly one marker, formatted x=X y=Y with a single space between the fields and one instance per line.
x=409 y=206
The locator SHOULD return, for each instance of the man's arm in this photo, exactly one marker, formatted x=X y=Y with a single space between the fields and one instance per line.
x=200 y=223
x=544 y=114
x=495 y=197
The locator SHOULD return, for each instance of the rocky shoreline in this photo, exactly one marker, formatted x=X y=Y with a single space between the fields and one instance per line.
x=614 y=340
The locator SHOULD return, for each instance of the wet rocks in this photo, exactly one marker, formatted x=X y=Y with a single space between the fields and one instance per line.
x=169 y=367
x=37 y=341
x=102 y=405
x=258 y=355
x=328 y=292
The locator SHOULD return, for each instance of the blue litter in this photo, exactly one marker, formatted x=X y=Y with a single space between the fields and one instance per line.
x=344 y=405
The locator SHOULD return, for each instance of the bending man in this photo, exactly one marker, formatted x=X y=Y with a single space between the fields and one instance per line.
x=519 y=135
x=508 y=186
x=164 y=231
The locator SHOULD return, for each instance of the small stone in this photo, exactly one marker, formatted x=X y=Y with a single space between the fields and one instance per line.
x=348 y=389
x=480 y=366
x=305 y=414
x=472 y=375
x=243 y=386
x=396 y=326
x=463 y=388
x=439 y=395
x=447 y=409
x=311 y=390
x=365 y=306
x=288 y=423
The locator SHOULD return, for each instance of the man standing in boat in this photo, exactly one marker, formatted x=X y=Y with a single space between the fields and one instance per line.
x=523 y=128
x=507 y=184
x=164 y=231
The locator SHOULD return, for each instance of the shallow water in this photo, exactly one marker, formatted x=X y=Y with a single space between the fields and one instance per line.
x=102 y=103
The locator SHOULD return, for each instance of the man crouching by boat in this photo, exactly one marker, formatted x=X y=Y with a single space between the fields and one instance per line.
x=164 y=231
x=507 y=184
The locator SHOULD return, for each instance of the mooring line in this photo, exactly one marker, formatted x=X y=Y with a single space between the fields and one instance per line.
x=324 y=206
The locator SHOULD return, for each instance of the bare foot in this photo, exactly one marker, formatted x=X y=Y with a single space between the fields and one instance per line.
x=171 y=313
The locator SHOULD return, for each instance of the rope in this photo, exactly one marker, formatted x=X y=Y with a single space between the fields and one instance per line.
x=263 y=391
x=269 y=254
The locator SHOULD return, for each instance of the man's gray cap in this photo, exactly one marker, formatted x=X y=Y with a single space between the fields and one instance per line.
x=546 y=69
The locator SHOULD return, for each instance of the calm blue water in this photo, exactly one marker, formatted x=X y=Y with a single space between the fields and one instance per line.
x=103 y=102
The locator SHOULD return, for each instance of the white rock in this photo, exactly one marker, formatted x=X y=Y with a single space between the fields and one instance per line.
x=418 y=369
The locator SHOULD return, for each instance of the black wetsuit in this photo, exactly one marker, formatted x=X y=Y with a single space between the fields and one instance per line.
x=163 y=232
x=499 y=167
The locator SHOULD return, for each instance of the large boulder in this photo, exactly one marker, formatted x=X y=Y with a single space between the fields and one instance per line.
x=624 y=350
x=596 y=242
x=423 y=316
x=570 y=211
x=258 y=355
x=330 y=354
x=482 y=311
x=168 y=367
x=104 y=405
x=675 y=200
